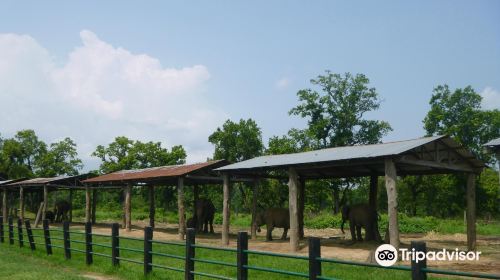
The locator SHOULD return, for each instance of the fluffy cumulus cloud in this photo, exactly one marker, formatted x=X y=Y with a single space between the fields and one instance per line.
x=491 y=98
x=100 y=92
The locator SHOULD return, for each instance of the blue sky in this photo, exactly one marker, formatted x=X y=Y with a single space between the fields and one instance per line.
x=84 y=69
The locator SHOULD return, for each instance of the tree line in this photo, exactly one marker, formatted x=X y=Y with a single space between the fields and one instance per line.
x=336 y=109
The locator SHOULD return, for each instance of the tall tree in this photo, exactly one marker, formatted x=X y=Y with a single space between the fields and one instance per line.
x=124 y=153
x=20 y=155
x=458 y=113
x=60 y=159
x=336 y=114
x=236 y=142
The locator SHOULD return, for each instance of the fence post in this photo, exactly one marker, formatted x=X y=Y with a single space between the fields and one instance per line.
x=29 y=233
x=67 y=244
x=46 y=234
x=88 y=243
x=242 y=256
x=2 y=239
x=416 y=268
x=314 y=254
x=148 y=247
x=11 y=232
x=115 y=244
x=20 y=232
x=190 y=254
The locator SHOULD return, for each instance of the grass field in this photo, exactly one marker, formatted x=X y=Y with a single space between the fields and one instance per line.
x=37 y=265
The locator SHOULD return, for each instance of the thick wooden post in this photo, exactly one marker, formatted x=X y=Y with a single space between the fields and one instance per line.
x=301 y=199
x=148 y=248
x=392 y=201
x=46 y=234
x=416 y=268
x=94 y=205
x=253 y=231
x=151 y=195
x=242 y=256
x=292 y=205
x=87 y=205
x=180 y=207
x=2 y=236
x=70 y=198
x=372 y=233
x=66 y=241
x=11 y=232
x=196 y=197
x=45 y=201
x=115 y=244
x=314 y=254
x=88 y=244
x=29 y=233
x=128 y=208
x=20 y=232
x=21 y=204
x=226 y=203
x=190 y=254
x=4 y=205
x=471 y=212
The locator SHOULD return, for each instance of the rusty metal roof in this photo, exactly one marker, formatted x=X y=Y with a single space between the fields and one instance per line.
x=155 y=173
x=5 y=182
x=59 y=181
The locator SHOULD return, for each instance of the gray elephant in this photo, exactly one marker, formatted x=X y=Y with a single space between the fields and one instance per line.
x=204 y=216
x=361 y=215
x=61 y=210
x=274 y=218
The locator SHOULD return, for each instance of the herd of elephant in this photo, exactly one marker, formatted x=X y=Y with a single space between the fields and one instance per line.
x=359 y=216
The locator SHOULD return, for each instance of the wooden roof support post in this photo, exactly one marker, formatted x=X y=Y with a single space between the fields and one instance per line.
x=302 y=200
x=253 y=231
x=45 y=201
x=4 y=204
x=70 y=198
x=94 y=205
x=392 y=201
x=87 y=204
x=373 y=233
x=21 y=203
x=196 y=197
x=471 y=212
x=128 y=207
x=151 y=194
x=180 y=206
x=226 y=203
x=292 y=205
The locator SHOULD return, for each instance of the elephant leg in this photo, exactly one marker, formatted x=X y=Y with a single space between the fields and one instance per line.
x=212 y=226
x=285 y=231
x=205 y=226
x=269 y=235
x=352 y=228
x=358 y=232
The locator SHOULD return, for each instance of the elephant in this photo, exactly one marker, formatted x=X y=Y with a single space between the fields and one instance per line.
x=49 y=215
x=203 y=217
x=61 y=210
x=360 y=215
x=274 y=218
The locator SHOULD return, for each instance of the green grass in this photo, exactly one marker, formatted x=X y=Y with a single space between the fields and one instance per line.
x=38 y=265
x=20 y=264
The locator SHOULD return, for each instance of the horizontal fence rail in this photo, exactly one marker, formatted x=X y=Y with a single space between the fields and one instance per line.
x=25 y=236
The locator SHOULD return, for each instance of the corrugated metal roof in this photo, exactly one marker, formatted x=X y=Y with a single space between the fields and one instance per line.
x=341 y=154
x=493 y=143
x=40 y=181
x=7 y=182
x=154 y=172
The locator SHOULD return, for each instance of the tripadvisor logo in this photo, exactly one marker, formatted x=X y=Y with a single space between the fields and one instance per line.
x=387 y=255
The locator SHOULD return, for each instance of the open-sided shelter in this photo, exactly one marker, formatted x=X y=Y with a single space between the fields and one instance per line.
x=429 y=155
x=494 y=147
x=172 y=175
x=46 y=185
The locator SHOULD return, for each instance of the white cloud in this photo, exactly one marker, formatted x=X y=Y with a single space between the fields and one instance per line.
x=491 y=99
x=100 y=92
x=282 y=83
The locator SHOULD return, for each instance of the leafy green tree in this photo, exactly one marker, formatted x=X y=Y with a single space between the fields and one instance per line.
x=336 y=115
x=60 y=159
x=19 y=156
x=236 y=142
x=124 y=153
x=458 y=113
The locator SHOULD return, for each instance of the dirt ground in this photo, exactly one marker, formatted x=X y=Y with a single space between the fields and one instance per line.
x=337 y=245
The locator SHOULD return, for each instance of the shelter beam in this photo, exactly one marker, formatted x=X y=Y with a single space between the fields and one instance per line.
x=225 y=209
x=292 y=205
x=392 y=201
